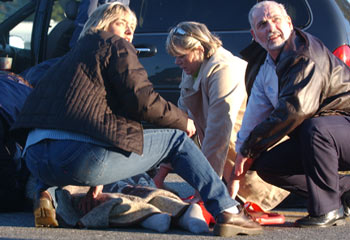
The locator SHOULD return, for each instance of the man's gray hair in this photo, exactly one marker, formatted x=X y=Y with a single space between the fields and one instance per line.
x=262 y=5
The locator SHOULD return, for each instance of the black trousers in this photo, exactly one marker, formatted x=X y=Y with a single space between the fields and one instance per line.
x=308 y=163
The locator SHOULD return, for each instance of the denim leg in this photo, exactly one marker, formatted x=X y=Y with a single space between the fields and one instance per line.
x=60 y=163
x=36 y=160
x=189 y=162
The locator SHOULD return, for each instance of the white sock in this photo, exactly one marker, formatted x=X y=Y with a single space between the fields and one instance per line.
x=193 y=220
x=233 y=210
x=157 y=222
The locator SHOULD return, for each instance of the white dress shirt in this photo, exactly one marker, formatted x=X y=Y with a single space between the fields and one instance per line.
x=262 y=101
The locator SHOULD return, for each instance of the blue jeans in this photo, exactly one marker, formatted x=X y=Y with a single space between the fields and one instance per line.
x=65 y=162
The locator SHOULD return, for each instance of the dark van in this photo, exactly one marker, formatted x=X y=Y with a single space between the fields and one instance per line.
x=32 y=31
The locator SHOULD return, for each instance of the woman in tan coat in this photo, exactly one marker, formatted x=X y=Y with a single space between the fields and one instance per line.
x=213 y=94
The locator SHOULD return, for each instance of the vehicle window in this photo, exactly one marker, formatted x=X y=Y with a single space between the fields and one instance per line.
x=345 y=8
x=8 y=8
x=57 y=15
x=21 y=34
x=159 y=16
x=298 y=11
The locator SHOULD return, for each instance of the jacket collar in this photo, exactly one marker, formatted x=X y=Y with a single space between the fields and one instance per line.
x=252 y=51
x=189 y=82
x=194 y=83
x=297 y=41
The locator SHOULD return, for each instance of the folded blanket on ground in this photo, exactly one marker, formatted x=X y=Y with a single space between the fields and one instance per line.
x=129 y=208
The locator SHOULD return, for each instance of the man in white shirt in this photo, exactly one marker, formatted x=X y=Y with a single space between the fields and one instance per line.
x=301 y=91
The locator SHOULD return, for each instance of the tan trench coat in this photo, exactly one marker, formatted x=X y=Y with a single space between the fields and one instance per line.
x=216 y=101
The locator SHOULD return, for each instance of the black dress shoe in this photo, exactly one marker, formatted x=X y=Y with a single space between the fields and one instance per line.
x=229 y=224
x=345 y=199
x=335 y=217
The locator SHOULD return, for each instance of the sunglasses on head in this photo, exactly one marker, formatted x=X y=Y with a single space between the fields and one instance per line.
x=180 y=32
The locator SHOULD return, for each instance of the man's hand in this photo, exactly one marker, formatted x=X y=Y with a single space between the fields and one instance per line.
x=242 y=165
x=191 y=128
x=91 y=199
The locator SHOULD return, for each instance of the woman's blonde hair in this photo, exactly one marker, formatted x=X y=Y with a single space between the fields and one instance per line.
x=104 y=15
x=188 y=36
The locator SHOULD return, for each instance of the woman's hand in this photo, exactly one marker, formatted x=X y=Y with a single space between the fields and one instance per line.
x=91 y=199
x=233 y=187
x=191 y=128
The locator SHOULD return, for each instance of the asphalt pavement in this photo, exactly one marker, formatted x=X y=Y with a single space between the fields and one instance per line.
x=21 y=226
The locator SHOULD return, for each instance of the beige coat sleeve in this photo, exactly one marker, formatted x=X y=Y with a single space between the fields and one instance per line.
x=225 y=90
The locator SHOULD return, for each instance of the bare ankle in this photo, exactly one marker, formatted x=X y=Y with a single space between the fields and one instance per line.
x=45 y=194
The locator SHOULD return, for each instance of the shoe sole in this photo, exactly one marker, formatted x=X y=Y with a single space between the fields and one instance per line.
x=45 y=214
x=229 y=230
x=339 y=222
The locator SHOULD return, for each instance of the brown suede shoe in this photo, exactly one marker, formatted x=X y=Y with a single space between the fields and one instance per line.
x=44 y=211
x=229 y=224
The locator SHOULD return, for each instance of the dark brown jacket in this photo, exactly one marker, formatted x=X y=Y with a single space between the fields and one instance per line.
x=311 y=82
x=99 y=89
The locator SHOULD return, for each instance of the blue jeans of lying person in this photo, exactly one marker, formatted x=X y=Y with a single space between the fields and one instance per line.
x=65 y=162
